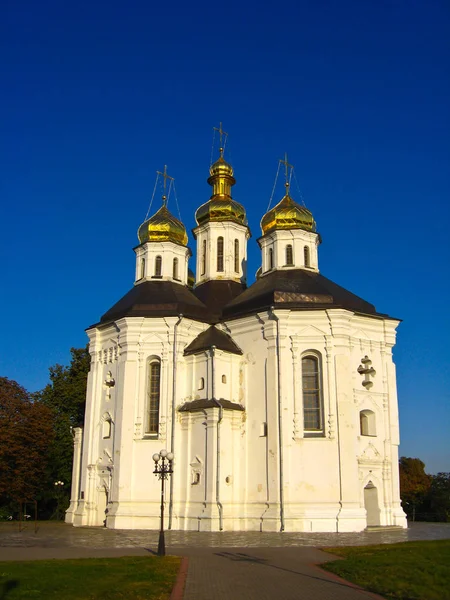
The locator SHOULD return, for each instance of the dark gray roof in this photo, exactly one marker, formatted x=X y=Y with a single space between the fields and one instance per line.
x=202 y=404
x=214 y=301
x=212 y=337
x=158 y=298
x=297 y=289
x=215 y=294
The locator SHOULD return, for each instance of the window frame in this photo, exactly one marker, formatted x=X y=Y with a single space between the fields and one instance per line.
x=158 y=267
x=318 y=389
x=270 y=259
x=289 y=255
x=203 y=258
x=307 y=257
x=368 y=423
x=236 y=256
x=152 y=398
x=220 y=254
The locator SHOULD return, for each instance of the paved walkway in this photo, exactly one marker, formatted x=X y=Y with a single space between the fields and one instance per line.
x=222 y=566
x=264 y=574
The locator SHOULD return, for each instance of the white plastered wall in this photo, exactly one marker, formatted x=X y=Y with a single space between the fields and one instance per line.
x=324 y=477
x=209 y=233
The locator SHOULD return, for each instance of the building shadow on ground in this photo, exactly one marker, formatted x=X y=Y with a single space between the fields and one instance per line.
x=244 y=557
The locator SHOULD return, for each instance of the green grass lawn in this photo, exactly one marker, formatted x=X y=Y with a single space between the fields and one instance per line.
x=407 y=571
x=136 y=578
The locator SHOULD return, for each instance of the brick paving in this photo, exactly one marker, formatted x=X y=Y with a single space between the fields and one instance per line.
x=264 y=574
x=222 y=566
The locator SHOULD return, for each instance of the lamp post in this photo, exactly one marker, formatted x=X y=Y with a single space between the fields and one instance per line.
x=162 y=470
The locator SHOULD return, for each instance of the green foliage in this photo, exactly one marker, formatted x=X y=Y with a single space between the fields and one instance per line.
x=414 y=484
x=439 y=497
x=26 y=431
x=407 y=571
x=65 y=397
x=424 y=497
x=133 y=578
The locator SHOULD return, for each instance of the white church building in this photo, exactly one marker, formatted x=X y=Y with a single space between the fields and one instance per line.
x=278 y=400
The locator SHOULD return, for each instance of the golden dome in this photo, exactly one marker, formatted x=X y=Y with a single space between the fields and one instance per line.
x=221 y=206
x=218 y=209
x=163 y=227
x=287 y=214
x=221 y=167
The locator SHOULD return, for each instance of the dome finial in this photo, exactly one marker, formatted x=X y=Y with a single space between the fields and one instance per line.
x=166 y=177
x=223 y=134
x=286 y=172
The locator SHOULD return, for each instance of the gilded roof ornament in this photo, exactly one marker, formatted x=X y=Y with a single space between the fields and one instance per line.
x=163 y=226
x=221 y=206
x=287 y=214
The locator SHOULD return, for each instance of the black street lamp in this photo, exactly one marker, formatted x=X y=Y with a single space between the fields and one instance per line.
x=162 y=470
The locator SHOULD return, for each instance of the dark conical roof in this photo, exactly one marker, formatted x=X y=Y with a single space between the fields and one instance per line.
x=213 y=337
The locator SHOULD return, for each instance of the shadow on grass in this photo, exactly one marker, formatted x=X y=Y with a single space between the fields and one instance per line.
x=7 y=587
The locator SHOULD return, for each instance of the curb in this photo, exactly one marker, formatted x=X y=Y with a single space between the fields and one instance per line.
x=178 y=588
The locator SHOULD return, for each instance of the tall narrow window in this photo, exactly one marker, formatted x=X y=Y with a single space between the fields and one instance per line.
x=220 y=253
x=158 y=266
x=236 y=256
x=312 y=401
x=289 y=256
x=270 y=258
x=367 y=422
x=204 y=257
x=306 y=255
x=142 y=273
x=175 y=268
x=153 y=397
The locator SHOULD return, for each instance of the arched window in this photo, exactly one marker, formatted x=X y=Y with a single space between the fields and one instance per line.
x=367 y=423
x=289 y=256
x=153 y=397
x=236 y=256
x=158 y=266
x=106 y=427
x=224 y=378
x=220 y=253
x=306 y=256
x=201 y=383
x=142 y=269
x=175 y=268
x=204 y=257
x=312 y=396
x=270 y=259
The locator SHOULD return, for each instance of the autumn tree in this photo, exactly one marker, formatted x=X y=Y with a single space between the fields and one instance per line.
x=414 y=484
x=26 y=432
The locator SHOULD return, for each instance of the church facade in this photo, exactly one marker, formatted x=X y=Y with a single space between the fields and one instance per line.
x=278 y=400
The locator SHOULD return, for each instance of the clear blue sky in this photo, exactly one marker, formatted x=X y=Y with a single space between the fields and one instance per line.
x=96 y=96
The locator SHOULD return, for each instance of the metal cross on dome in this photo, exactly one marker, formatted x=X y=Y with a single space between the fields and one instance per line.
x=166 y=177
x=286 y=166
x=222 y=133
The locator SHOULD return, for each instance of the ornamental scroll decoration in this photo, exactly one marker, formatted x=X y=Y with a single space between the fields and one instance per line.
x=368 y=371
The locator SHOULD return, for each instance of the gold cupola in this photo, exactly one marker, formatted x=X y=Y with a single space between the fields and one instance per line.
x=221 y=206
x=287 y=214
x=163 y=227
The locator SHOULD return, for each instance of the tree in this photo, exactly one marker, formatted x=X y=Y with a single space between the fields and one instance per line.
x=439 y=497
x=65 y=396
x=26 y=431
x=414 y=484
